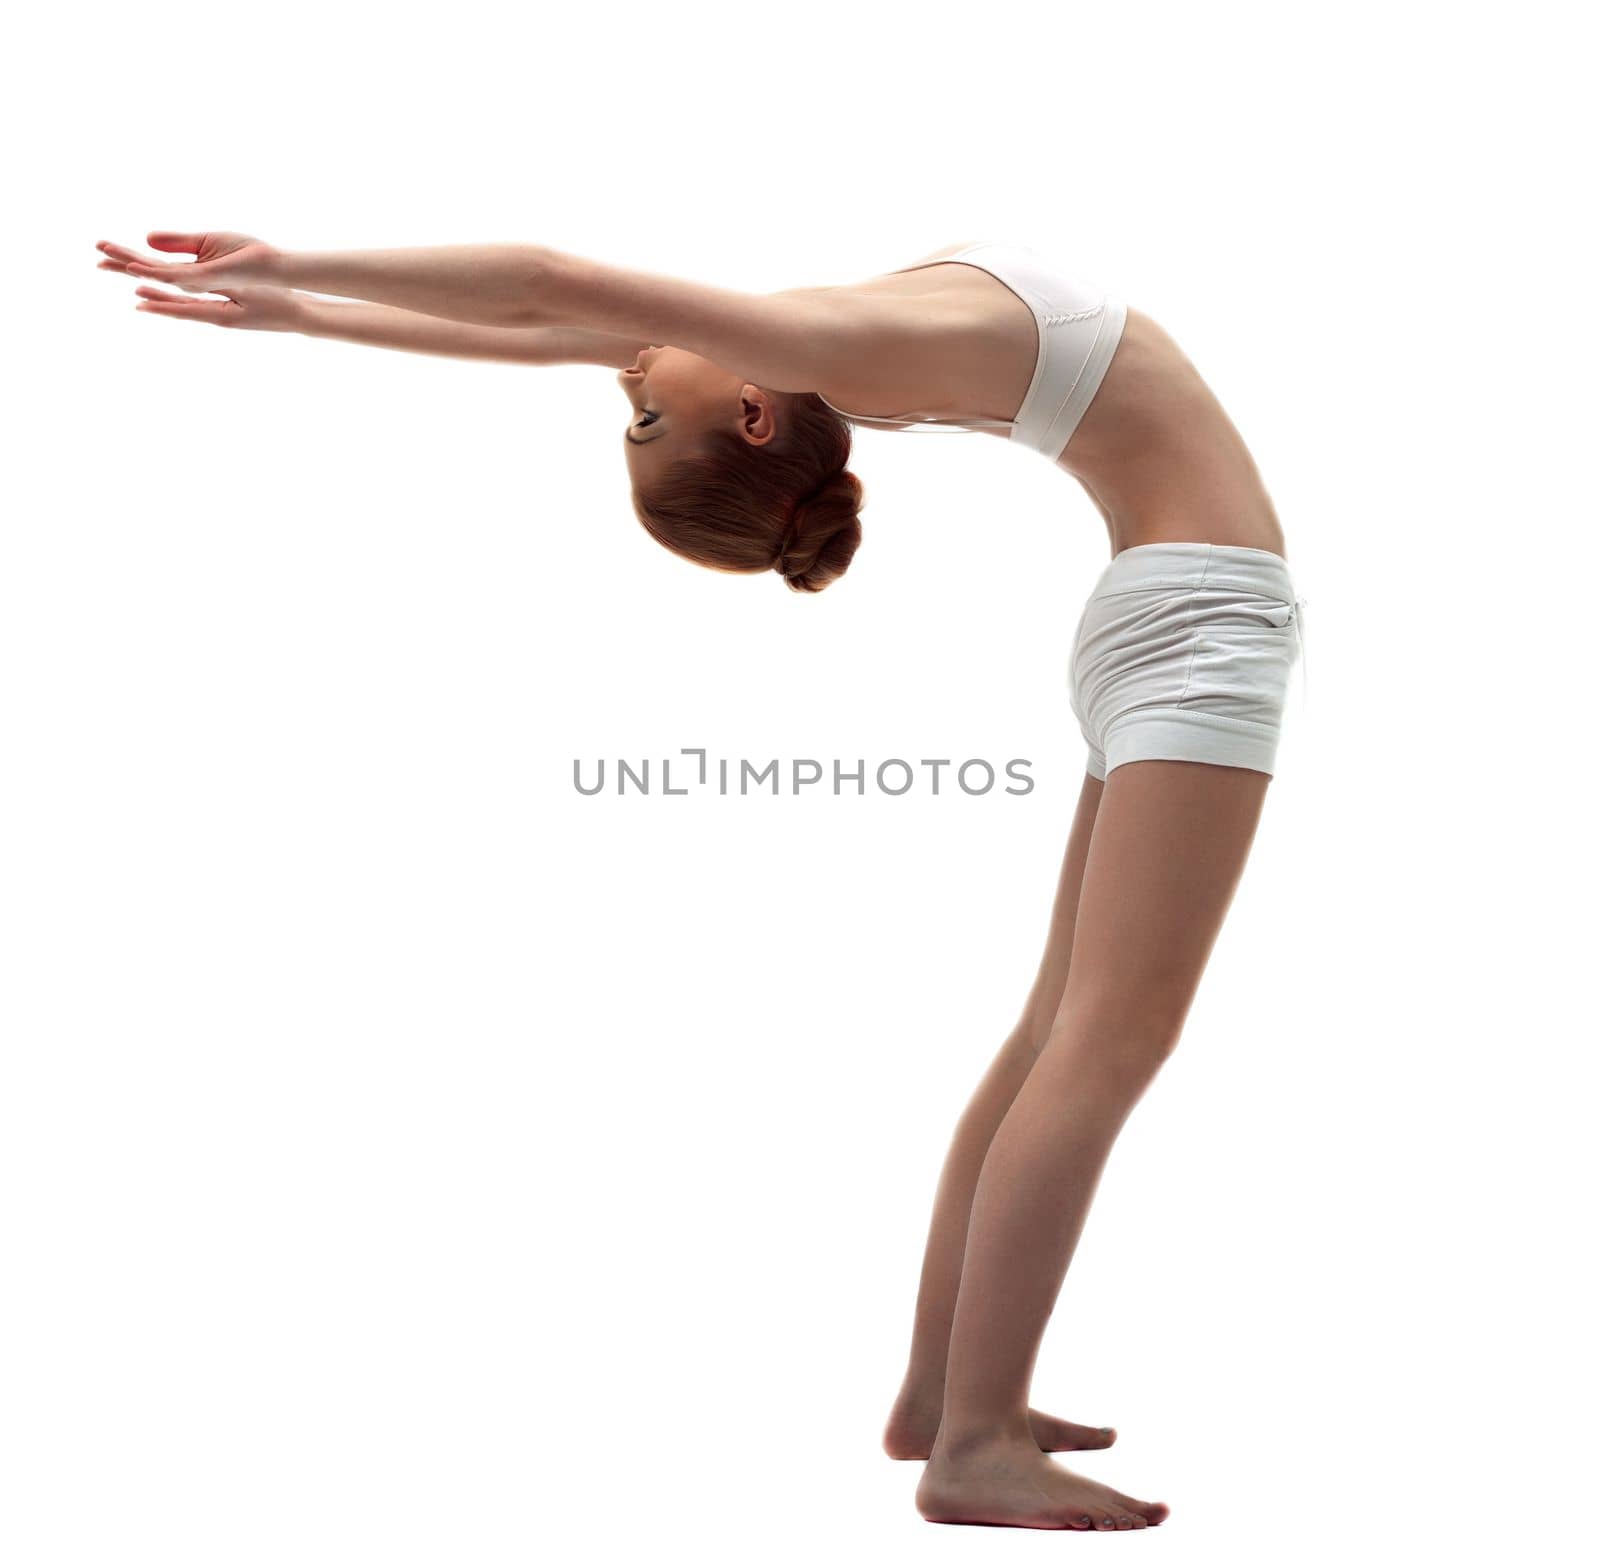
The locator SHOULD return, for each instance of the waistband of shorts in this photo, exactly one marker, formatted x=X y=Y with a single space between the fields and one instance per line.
x=1197 y=566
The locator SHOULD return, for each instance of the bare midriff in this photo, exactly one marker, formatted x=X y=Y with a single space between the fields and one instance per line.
x=1160 y=457
x=1156 y=452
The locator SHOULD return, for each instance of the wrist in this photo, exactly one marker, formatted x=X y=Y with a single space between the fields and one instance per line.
x=278 y=268
x=311 y=316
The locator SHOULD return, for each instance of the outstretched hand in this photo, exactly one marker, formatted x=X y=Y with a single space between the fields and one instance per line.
x=220 y=258
x=260 y=308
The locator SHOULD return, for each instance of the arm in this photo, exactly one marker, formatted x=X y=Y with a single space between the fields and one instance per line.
x=800 y=340
x=391 y=327
x=782 y=341
x=259 y=308
x=791 y=341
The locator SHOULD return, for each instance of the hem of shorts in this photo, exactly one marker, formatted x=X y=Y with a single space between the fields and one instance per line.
x=1188 y=735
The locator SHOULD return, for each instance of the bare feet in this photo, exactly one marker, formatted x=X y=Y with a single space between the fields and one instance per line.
x=914 y=1423
x=1009 y=1481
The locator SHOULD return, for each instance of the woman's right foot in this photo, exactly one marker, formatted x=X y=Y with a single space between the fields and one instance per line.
x=1010 y=1481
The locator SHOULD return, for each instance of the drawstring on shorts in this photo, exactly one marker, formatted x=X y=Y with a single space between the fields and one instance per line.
x=1305 y=672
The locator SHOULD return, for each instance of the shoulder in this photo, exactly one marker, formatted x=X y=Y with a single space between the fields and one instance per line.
x=944 y=252
x=824 y=339
x=869 y=345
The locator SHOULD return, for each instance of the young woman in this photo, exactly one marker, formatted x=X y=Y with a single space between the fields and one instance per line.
x=736 y=448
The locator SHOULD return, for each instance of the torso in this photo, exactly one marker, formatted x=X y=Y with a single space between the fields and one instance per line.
x=1156 y=452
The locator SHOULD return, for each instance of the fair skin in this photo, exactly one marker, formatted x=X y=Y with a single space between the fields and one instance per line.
x=1156 y=849
x=676 y=397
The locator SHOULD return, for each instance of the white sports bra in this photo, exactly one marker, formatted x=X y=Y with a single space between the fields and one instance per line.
x=1079 y=329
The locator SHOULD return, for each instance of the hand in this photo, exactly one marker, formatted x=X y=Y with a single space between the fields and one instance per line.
x=220 y=257
x=259 y=308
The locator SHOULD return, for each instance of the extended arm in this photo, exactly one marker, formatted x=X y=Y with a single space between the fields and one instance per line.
x=392 y=327
x=783 y=341
x=261 y=308
x=799 y=341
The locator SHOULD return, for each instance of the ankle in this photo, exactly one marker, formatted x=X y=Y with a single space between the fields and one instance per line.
x=921 y=1393
x=962 y=1437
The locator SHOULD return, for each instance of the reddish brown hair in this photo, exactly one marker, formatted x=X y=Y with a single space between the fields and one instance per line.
x=790 y=505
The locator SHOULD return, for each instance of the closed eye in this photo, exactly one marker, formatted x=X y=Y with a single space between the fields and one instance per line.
x=643 y=423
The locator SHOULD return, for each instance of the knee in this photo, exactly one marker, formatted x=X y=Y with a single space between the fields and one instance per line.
x=1118 y=1043
x=1039 y=1014
x=1032 y=1033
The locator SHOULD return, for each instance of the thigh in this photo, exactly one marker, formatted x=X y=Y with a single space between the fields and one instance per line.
x=1045 y=996
x=1169 y=846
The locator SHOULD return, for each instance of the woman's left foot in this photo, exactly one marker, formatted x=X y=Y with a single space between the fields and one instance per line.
x=912 y=1428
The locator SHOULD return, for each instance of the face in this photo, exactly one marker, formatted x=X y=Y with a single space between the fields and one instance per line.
x=676 y=397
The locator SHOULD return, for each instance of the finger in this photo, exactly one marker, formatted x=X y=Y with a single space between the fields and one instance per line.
x=187 y=276
x=188 y=310
x=140 y=265
x=168 y=298
x=117 y=265
x=143 y=268
x=118 y=253
x=174 y=241
x=151 y=292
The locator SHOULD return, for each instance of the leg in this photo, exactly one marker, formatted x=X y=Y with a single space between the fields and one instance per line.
x=915 y=1417
x=1169 y=845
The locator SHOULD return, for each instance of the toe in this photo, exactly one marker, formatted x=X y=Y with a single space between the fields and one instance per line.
x=1126 y=1503
x=1053 y=1434
x=1075 y=1436
x=1151 y=1512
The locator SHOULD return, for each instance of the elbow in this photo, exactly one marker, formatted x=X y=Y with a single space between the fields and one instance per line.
x=528 y=295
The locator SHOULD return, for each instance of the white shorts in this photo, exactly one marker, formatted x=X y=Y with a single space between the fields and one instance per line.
x=1184 y=654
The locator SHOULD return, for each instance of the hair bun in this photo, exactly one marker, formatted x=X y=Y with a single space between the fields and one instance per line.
x=824 y=533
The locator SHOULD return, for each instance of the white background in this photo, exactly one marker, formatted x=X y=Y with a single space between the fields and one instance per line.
x=399 y=1147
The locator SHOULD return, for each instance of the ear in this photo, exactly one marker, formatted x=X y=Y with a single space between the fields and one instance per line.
x=758 y=418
